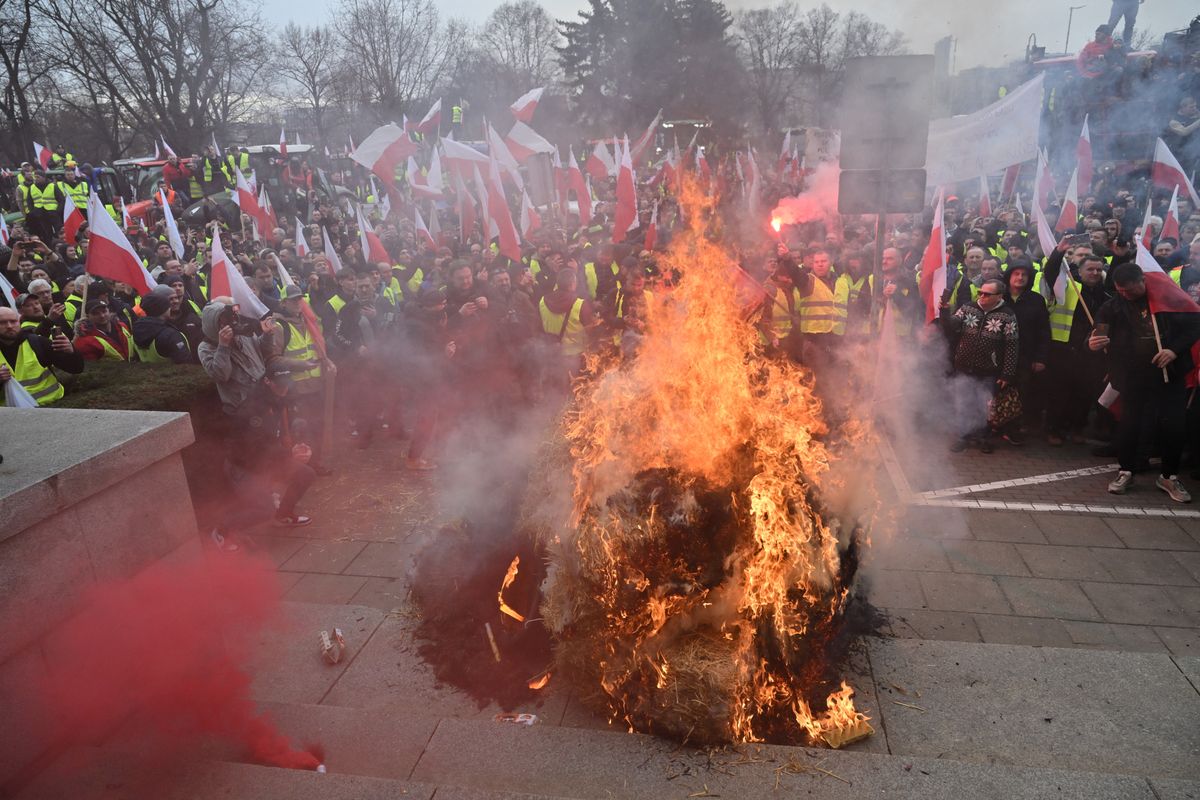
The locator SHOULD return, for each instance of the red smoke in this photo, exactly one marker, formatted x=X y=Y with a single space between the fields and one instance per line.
x=167 y=648
x=817 y=202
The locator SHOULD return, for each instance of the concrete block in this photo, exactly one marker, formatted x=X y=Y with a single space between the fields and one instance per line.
x=951 y=626
x=908 y=552
x=997 y=629
x=1076 y=530
x=317 y=587
x=1152 y=534
x=1072 y=563
x=27 y=727
x=1187 y=598
x=893 y=589
x=1109 y=636
x=971 y=593
x=1134 y=604
x=1145 y=566
x=323 y=556
x=1180 y=641
x=1036 y=597
x=985 y=558
x=1004 y=526
x=1068 y=708
x=379 y=560
x=382 y=593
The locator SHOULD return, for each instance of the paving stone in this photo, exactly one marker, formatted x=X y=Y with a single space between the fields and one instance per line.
x=1144 y=566
x=382 y=593
x=1188 y=599
x=1111 y=711
x=909 y=553
x=1037 y=597
x=323 y=556
x=1062 y=562
x=380 y=560
x=1190 y=667
x=1077 y=530
x=893 y=588
x=1152 y=534
x=1167 y=789
x=320 y=588
x=1107 y=636
x=1190 y=562
x=935 y=523
x=985 y=558
x=1005 y=526
x=954 y=626
x=999 y=629
x=1134 y=604
x=1180 y=641
x=278 y=548
x=972 y=593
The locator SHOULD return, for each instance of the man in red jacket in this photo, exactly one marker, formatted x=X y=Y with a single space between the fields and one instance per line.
x=102 y=336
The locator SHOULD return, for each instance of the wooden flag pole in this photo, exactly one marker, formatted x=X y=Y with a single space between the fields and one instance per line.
x=1158 y=341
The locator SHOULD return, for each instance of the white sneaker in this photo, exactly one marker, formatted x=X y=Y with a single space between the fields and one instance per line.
x=1173 y=488
x=1119 y=484
x=222 y=542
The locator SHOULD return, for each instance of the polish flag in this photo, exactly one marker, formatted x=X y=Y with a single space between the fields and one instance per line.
x=43 y=155
x=372 y=248
x=350 y=139
x=579 y=186
x=487 y=226
x=172 y=227
x=227 y=281
x=753 y=182
x=422 y=231
x=461 y=157
x=1170 y=228
x=166 y=147
x=523 y=142
x=985 y=197
x=386 y=147
x=625 y=217
x=269 y=220
x=935 y=274
x=785 y=152
x=530 y=219
x=1010 y=182
x=562 y=182
x=126 y=220
x=1083 y=158
x=435 y=227
x=331 y=256
x=282 y=142
x=600 y=164
x=8 y=291
x=466 y=209
x=157 y=151
x=246 y=198
x=1020 y=208
x=526 y=104
x=72 y=220
x=1162 y=292
x=499 y=151
x=418 y=182
x=1147 y=236
x=4 y=235
x=110 y=255
x=216 y=146
x=302 y=248
x=432 y=119
x=1167 y=174
x=1068 y=220
x=1043 y=181
x=510 y=244
x=645 y=140
x=652 y=230
x=1048 y=241
x=310 y=318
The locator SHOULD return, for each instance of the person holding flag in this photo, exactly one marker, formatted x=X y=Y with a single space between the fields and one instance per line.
x=1148 y=331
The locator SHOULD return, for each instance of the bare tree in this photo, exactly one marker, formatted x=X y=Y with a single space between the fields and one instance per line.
x=768 y=41
x=22 y=55
x=308 y=64
x=395 y=51
x=519 y=38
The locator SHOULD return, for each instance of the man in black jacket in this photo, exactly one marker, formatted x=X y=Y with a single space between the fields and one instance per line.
x=31 y=359
x=153 y=337
x=1150 y=378
x=1033 y=321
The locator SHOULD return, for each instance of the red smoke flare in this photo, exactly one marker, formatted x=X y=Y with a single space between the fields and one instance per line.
x=167 y=649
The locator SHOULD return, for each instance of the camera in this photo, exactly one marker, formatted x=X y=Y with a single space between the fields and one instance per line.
x=241 y=325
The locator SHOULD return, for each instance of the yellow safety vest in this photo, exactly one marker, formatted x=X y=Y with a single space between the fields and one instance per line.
x=337 y=303
x=300 y=347
x=44 y=197
x=78 y=193
x=1177 y=275
x=1062 y=315
x=71 y=308
x=816 y=311
x=41 y=382
x=783 y=310
x=646 y=294
x=572 y=336
x=589 y=272
x=845 y=292
x=113 y=354
x=149 y=355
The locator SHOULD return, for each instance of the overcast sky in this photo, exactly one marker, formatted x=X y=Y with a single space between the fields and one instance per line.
x=990 y=33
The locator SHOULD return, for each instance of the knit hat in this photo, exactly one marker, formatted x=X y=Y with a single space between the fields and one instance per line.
x=157 y=301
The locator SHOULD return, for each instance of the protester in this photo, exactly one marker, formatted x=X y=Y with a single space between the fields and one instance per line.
x=154 y=338
x=31 y=359
x=102 y=336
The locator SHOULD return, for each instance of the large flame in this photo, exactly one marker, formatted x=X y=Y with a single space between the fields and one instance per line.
x=698 y=582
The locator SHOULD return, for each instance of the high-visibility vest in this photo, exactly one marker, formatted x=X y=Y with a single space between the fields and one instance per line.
x=456 y=115
x=113 y=354
x=572 y=338
x=337 y=303
x=150 y=355
x=79 y=194
x=241 y=161
x=194 y=188
x=589 y=272
x=71 y=308
x=1062 y=315
x=784 y=306
x=1177 y=275
x=300 y=347
x=816 y=310
x=44 y=197
x=647 y=295
x=41 y=382
x=845 y=292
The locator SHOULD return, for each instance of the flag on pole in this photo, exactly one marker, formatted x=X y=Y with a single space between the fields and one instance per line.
x=283 y=141
x=1010 y=182
x=157 y=151
x=1043 y=181
x=433 y=177
x=499 y=152
x=126 y=220
x=625 y=218
x=1162 y=293
x=269 y=221
x=1046 y=238
x=1020 y=208
x=423 y=232
x=510 y=244
x=418 y=183
x=432 y=119
x=216 y=146
x=530 y=219
x=302 y=248
x=227 y=281
x=1167 y=174
x=110 y=255
x=245 y=197
x=575 y=182
x=526 y=104
x=1068 y=219
x=8 y=292
x=383 y=150
x=985 y=197
x=466 y=209
x=934 y=271
x=350 y=139
x=331 y=256
x=72 y=220
x=600 y=164
x=523 y=142
x=1147 y=237
x=4 y=235
x=461 y=156
x=166 y=147
x=1170 y=227
x=703 y=172
x=487 y=226
x=644 y=141
x=435 y=226
x=1083 y=158
x=42 y=154
x=173 y=237
x=372 y=248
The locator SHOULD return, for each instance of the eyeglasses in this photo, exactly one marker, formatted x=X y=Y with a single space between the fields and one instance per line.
x=989 y=294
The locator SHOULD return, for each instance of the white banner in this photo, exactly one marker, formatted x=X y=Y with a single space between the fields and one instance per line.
x=988 y=141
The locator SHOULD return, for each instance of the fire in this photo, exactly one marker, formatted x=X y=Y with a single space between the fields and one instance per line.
x=776 y=224
x=700 y=578
x=540 y=682
x=509 y=577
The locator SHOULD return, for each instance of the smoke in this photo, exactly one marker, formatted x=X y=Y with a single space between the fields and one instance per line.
x=817 y=203
x=163 y=655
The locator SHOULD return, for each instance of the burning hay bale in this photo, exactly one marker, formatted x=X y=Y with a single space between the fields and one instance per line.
x=697 y=585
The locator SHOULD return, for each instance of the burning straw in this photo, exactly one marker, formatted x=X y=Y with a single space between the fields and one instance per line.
x=699 y=583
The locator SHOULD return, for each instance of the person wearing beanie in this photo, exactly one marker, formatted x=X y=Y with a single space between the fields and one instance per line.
x=1033 y=344
x=153 y=337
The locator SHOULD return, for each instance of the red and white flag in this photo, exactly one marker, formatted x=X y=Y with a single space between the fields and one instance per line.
x=72 y=220
x=423 y=232
x=530 y=219
x=381 y=152
x=173 y=237
x=753 y=183
x=523 y=142
x=576 y=182
x=600 y=164
x=488 y=226
x=350 y=139
x=418 y=183
x=227 y=281
x=1147 y=235
x=642 y=145
x=1048 y=241
x=372 y=248
x=1167 y=174
x=331 y=256
x=282 y=142
x=785 y=152
x=110 y=255
x=625 y=218
x=510 y=244
x=269 y=221
x=432 y=119
x=1083 y=158
x=1010 y=182
x=166 y=147
x=302 y=248
x=934 y=271
x=1162 y=292
x=703 y=172
x=985 y=197
x=246 y=198
x=460 y=157
x=8 y=292
x=499 y=152
x=435 y=226
x=157 y=151
x=4 y=235
x=526 y=104
x=562 y=182
x=433 y=176
x=216 y=146
x=1043 y=181
x=651 y=230
x=126 y=220
x=43 y=155
x=1170 y=227
x=1068 y=220
x=466 y=208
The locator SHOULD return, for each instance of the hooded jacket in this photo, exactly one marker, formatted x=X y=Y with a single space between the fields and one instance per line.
x=237 y=368
x=156 y=332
